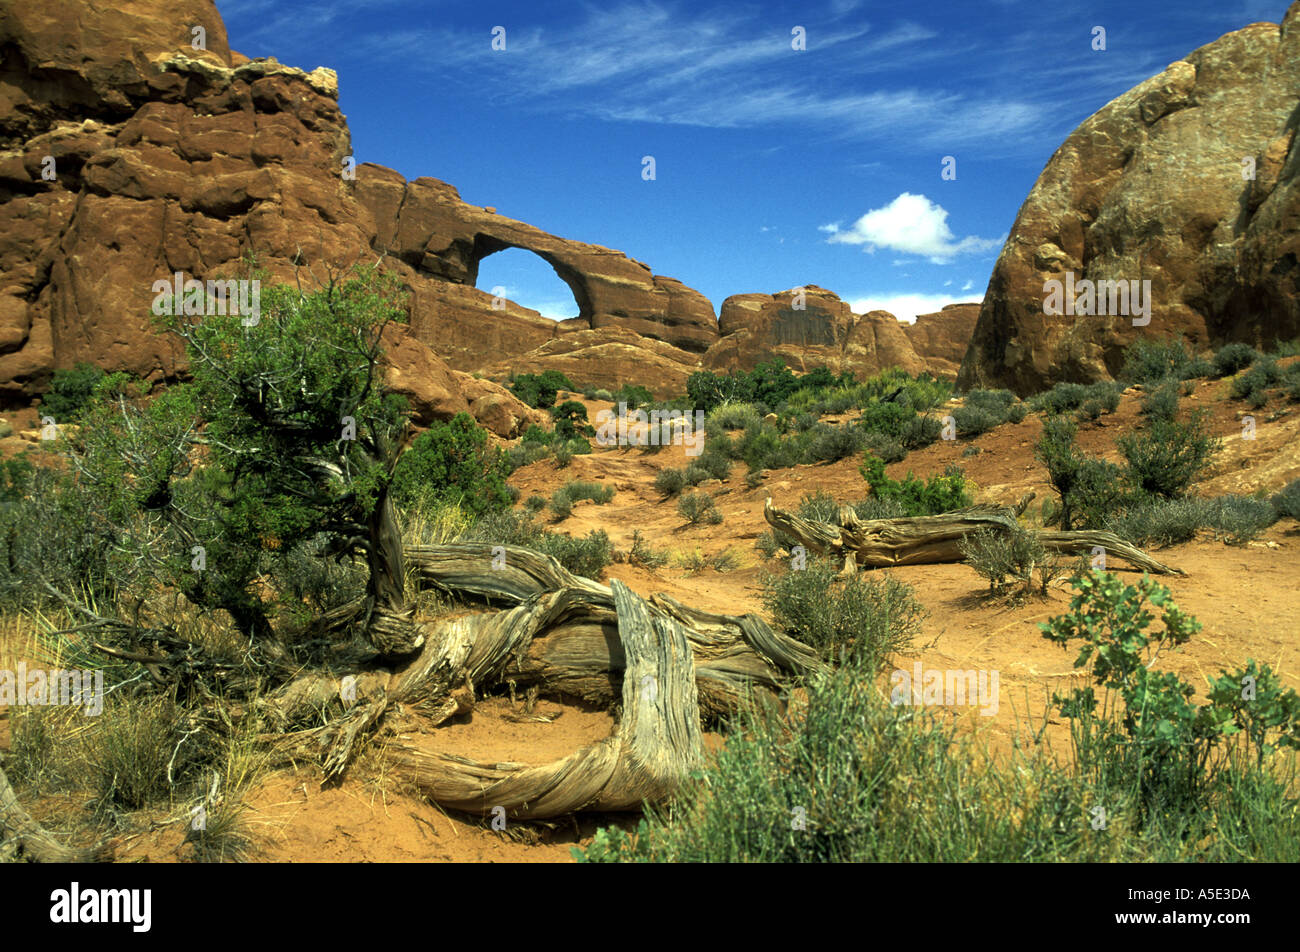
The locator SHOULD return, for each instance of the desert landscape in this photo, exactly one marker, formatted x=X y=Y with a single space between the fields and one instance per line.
x=313 y=549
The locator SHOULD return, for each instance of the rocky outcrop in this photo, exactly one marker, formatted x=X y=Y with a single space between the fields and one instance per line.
x=426 y=225
x=128 y=155
x=607 y=359
x=941 y=339
x=809 y=327
x=1155 y=187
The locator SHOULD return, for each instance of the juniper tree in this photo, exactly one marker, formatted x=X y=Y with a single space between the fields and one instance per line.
x=283 y=436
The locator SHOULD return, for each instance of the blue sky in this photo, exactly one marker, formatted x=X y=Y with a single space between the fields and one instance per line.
x=773 y=167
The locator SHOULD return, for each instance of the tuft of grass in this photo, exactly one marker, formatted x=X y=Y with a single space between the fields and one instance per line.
x=699 y=507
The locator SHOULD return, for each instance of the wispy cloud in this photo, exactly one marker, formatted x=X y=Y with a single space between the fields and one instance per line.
x=659 y=63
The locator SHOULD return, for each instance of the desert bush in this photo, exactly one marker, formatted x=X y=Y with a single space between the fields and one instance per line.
x=1254 y=383
x=921 y=431
x=670 y=481
x=1010 y=556
x=586 y=555
x=571 y=421
x=1238 y=519
x=71 y=389
x=539 y=390
x=892 y=419
x=903 y=786
x=634 y=395
x=974 y=421
x=831 y=443
x=1164 y=751
x=1089 y=489
x=1287 y=501
x=917 y=497
x=885 y=447
x=753 y=479
x=562 y=499
x=714 y=462
x=643 y=553
x=1061 y=398
x=1159 y=522
x=1233 y=358
x=534 y=504
x=1149 y=359
x=1162 y=401
x=731 y=416
x=1167 y=455
x=694 y=474
x=864 y=617
x=453 y=462
x=699 y=507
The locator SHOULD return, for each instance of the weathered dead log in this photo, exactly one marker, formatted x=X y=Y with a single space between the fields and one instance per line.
x=22 y=838
x=562 y=635
x=923 y=540
x=657 y=744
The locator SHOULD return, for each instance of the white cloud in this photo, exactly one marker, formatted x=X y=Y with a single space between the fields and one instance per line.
x=906 y=307
x=968 y=286
x=912 y=224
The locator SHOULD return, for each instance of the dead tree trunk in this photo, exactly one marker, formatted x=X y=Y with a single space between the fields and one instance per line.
x=921 y=540
x=22 y=838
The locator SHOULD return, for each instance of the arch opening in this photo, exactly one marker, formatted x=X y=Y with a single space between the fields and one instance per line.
x=529 y=280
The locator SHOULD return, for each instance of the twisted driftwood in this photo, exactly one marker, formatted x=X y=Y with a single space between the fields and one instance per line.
x=921 y=540
x=22 y=838
x=564 y=635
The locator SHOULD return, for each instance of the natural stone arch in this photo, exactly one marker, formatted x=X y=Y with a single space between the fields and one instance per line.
x=486 y=245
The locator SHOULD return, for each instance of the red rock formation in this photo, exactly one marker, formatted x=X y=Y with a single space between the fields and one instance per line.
x=127 y=156
x=1151 y=188
x=809 y=327
x=941 y=339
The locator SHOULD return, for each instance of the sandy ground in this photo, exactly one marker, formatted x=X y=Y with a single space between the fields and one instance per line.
x=1243 y=595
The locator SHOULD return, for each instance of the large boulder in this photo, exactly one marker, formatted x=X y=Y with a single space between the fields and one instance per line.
x=1154 y=187
x=941 y=339
x=808 y=327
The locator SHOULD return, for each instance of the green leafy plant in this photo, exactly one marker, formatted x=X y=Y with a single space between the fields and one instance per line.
x=917 y=497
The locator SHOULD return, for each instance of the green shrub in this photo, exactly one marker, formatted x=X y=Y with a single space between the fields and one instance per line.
x=1167 y=455
x=974 y=421
x=634 y=395
x=562 y=499
x=670 y=481
x=534 y=504
x=1010 y=555
x=1287 y=501
x=694 y=474
x=70 y=390
x=539 y=390
x=1254 y=383
x=892 y=419
x=1160 y=522
x=831 y=443
x=1089 y=489
x=1164 y=752
x=1061 y=398
x=1233 y=358
x=1162 y=402
x=885 y=447
x=865 y=617
x=643 y=553
x=731 y=416
x=571 y=421
x=936 y=495
x=715 y=463
x=1150 y=359
x=1238 y=519
x=699 y=507
x=586 y=556
x=452 y=462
